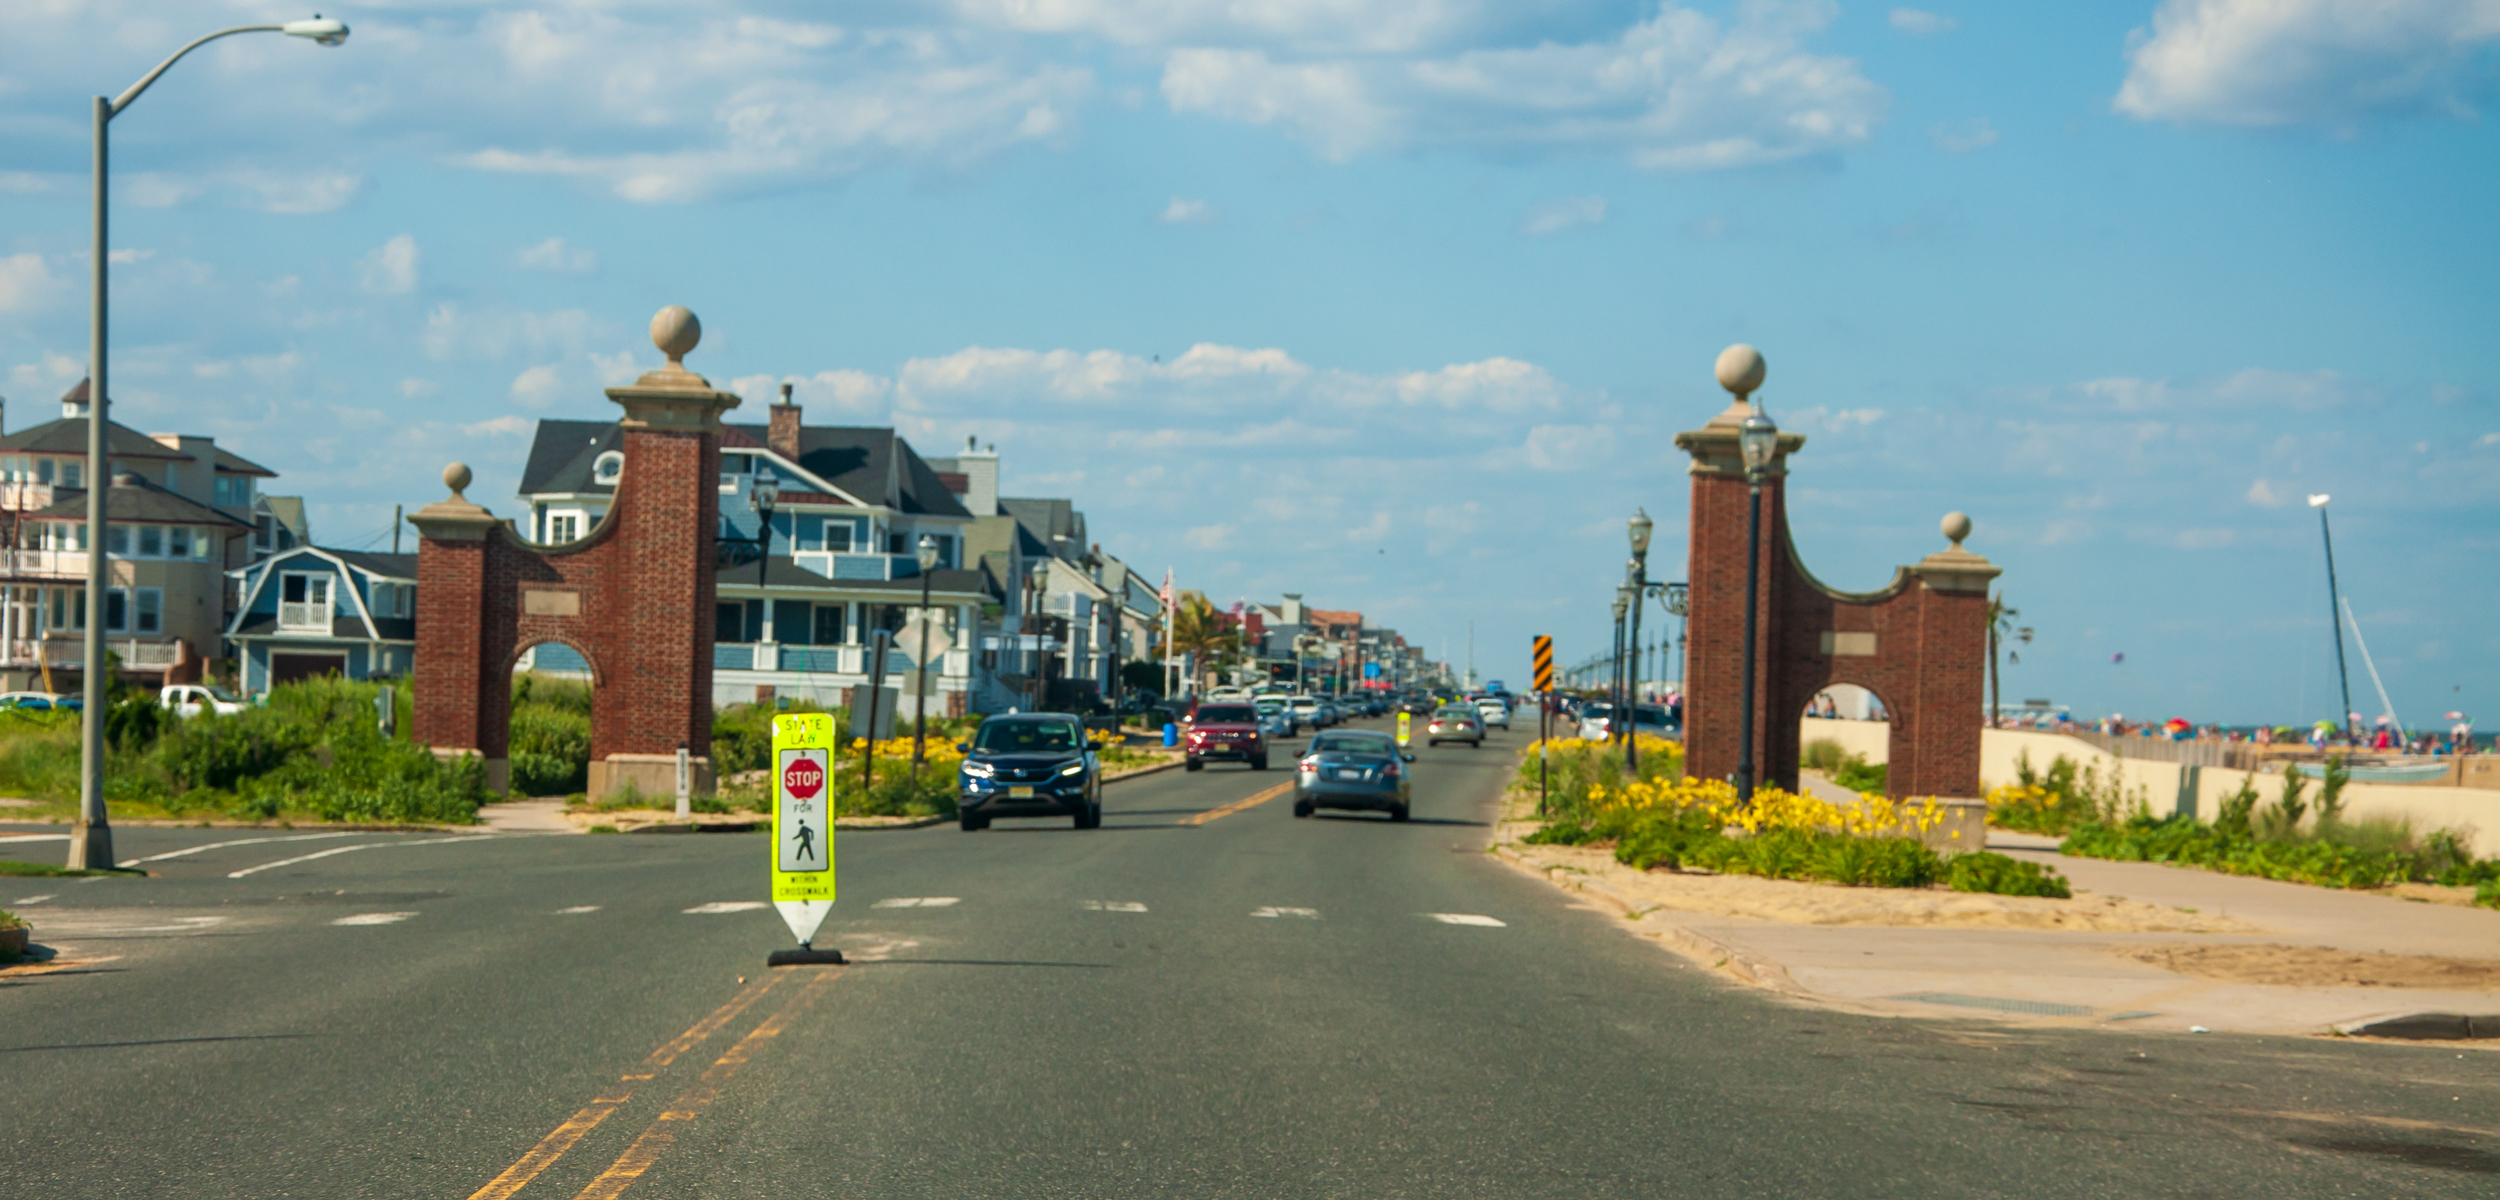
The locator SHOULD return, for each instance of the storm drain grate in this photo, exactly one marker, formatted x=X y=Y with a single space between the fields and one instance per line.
x=2041 y=1007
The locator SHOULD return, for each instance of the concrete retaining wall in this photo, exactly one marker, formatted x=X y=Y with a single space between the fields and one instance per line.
x=2475 y=811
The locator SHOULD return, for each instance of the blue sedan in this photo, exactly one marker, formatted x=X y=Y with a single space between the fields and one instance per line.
x=1353 y=769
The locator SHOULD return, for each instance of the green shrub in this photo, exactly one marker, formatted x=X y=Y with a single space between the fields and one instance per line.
x=2237 y=809
x=221 y=750
x=1822 y=754
x=1857 y=775
x=2180 y=839
x=1986 y=871
x=550 y=749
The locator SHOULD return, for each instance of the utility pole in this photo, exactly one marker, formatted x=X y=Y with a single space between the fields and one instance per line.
x=395 y=520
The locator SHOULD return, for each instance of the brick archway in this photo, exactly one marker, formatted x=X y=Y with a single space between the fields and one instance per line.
x=1920 y=643
x=630 y=597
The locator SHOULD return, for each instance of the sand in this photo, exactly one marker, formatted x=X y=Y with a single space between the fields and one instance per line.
x=2315 y=966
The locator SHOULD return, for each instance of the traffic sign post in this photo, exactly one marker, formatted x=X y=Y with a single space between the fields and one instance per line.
x=1541 y=649
x=1405 y=719
x=802 y=863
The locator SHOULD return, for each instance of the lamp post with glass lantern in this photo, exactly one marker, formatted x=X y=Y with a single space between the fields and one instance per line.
x=1614 y=676
x=1757 y=441
x=1639 y=528
x=920 y=661
x=91 y=838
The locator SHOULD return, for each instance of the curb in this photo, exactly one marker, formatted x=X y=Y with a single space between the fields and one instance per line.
x=2426 y=1027
x=1691 y=943
x=1156 y=769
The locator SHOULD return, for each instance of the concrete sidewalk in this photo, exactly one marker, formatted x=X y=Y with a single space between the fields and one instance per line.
x=2079 y=977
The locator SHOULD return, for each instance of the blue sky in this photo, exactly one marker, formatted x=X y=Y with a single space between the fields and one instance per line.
x=1398 y=306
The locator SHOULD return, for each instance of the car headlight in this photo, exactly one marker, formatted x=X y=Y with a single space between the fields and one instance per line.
x=1074 y=768
x=979 y=770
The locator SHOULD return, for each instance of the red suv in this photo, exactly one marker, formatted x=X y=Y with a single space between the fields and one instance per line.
x=1227 y=731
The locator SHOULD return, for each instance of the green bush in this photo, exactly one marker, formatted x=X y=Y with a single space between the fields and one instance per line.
x=1822 y=754
x=1857 y=775
x=1990 y=872
x=220 y=751
x=550 y=749
x=1652 y=840
x=2180 y=839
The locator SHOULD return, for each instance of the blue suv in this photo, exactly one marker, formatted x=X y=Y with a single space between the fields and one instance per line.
x=1030 y=765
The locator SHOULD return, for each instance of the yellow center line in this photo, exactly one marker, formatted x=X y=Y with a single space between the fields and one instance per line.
x=1217 y=814
x=647 y=1149
x=553 y=1146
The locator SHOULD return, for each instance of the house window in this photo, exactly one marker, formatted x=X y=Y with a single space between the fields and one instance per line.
x=608 y=467
x=73 y=473
x=731 y=467
x=728 y=617
x=838 y=536
x=790 y=622
x=234 y=491
x=152 y=541
x=43 y=470
x=830 y=627
x=117 y=540
x=563 y=527
x=116 y=609
x=173 y=477
x=151 y=610
x=304 y=600
x=178 y=541
x=69 y=608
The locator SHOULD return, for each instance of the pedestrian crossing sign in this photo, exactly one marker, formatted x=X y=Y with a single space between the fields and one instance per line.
x=802 y=782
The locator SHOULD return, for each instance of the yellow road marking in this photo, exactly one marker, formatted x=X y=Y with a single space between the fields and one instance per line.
x=1217 y=814
x=553 y=1146
x=647 y=1149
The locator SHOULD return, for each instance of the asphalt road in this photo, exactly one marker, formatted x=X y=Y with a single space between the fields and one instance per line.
x=1247 y=1005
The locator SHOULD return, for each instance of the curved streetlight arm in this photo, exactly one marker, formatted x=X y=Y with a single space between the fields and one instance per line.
x=123 y=101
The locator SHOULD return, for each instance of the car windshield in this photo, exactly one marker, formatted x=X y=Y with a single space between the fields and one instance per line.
x=1651 y=714
x=1460 y=713
x=1026 y=737
x=1271 y=706
x=1351 y=743
x=223 y=694
x=1225 y=714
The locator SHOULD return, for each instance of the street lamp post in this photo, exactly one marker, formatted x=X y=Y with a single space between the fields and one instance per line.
x=1639 y=528
x=1614 y=669
x=2334 y=618
x=767 y=495
x=920 y=661
x=91 y=838
x=1740 y=370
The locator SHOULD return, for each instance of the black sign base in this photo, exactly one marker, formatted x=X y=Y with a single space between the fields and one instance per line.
x=806 y=957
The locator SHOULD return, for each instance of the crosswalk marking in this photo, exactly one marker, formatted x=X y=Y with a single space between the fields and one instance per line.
x=1465 y=919
x=1111 y=906
x=577 y=910
x=34 y=899
x=917 y=902
x=389 y=918
x=1307 y=914
x=717 y=907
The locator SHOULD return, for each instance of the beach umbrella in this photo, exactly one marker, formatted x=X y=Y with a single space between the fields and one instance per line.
x=2454 y=716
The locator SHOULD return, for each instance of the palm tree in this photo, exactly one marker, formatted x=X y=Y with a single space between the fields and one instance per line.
x=1199 y=630
x=2001 y=617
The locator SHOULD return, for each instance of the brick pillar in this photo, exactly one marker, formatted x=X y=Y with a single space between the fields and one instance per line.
x=1950 y=709
x=452 y=680
x=1715 y=616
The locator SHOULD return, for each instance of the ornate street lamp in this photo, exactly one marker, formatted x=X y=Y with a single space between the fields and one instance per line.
x=920 y=661
x=1614 y=680
x=1639 y=527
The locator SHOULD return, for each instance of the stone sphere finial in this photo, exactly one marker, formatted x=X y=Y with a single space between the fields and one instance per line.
x=1740 y=369
x=456 y=477
x=1956 y=526
x=676 y=331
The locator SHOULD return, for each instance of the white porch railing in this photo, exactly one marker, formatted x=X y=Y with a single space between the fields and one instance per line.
x=303 y=616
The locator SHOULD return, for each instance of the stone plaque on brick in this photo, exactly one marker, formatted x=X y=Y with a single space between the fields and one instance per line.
x=1848 y=645
x=548 y=602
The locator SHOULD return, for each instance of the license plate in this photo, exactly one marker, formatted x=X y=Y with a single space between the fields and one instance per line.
x=1349 y=773
x=1019 y=793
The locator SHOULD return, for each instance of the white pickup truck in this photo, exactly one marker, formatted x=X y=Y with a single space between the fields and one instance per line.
x=192 y=699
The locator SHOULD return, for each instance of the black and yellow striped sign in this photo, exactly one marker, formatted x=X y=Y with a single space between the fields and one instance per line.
x=1544 y=663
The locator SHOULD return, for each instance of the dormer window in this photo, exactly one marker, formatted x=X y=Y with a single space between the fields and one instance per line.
x=608 y=468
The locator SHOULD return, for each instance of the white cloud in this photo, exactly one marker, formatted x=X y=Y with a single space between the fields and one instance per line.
x=1188 y=212
x=539 y=386
x=1569 y=447
x=26 y=283
x=1835 y=420
x=453 y=332
x=391 y=269
x=507 y=425
x=1676 y=92
x=2253 y=387
x=1562 y=214
x=1920 y=23
x=2263 y=495
x=1321 y=25
x=2203 y=539
x=1970 y=135
x=418 y=389
x=554 y=255
x=2328 y=63
x=1209 y=537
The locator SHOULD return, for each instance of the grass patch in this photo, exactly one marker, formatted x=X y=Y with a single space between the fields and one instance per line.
x=19 y=868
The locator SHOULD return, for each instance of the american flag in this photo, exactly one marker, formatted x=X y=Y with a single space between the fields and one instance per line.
x=1166 y=593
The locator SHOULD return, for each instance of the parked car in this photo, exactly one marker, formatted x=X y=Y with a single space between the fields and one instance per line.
x=1494 y=712
x=1029 y=765
x=1597 y=721
x=1455 y=723
x=1305 y=710
x=40 y=701
x=1224 y=733
x=1274 y=711
x=1353 y=769
x=192 y=699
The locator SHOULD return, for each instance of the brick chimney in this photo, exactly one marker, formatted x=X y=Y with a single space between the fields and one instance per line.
x=783 y=435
